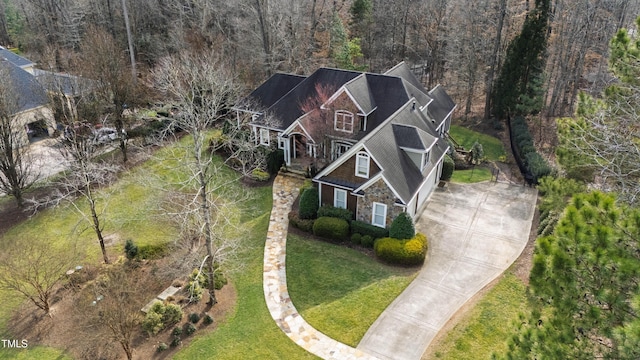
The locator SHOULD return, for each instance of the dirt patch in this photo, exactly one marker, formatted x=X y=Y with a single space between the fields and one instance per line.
x=62 y=330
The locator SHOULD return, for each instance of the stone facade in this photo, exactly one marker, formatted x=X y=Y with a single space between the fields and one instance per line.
x=378 y=192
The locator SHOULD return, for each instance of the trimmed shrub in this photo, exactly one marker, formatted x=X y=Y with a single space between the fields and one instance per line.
x=331 y=228
x=275 y=160
x=531 y=163
x=153 y=251
x=172 y=314
x=259 y=175
x=219 y=279
x=208 y=320
x=196 y=285
x=194 y=318
x=403 y=252
x=367 y=241
x=309 y=204
x=364 y=228
x=402 y=227
x=356 y=239
x=176 y=341
x=189 y=328
x=302 y=224
x=177 y=331
x=330 y=211
x=162 y=347
x=447 y=168
x=130 y=249
x=307 y=184
x=152 y=322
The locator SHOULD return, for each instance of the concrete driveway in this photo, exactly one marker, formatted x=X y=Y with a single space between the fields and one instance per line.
x=475 y=232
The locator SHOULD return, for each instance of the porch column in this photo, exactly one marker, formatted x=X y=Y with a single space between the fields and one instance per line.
x=287 y=150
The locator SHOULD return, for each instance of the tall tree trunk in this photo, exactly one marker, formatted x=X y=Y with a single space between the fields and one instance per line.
x=502 y=11
x=262 y=7
x=4 y=33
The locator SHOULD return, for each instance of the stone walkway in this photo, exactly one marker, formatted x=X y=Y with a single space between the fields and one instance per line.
x=285 y=191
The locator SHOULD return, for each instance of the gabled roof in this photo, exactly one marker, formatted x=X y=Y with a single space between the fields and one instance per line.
x=403 y=71
x=359 y=89
x=398 y=169
x=442 y=104
x=289 y=107
x=270 y=92
x=14 y=58
x=411 y=137
x=29 y=92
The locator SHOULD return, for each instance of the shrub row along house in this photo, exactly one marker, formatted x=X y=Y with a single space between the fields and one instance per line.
x=379 y=140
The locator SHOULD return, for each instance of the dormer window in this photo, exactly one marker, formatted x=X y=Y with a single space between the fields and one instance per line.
x=362 y=165
x=343 y=121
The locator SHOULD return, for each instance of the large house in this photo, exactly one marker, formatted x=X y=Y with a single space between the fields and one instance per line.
x=377 y=139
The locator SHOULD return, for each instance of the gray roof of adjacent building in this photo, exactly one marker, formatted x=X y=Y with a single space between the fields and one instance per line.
x=14 y=58
x=29 y=93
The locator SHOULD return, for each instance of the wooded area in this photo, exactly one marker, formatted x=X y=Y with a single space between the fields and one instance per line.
x=459 y=44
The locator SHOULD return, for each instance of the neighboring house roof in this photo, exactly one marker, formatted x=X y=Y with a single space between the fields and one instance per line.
x=14 y=58
x=30 y=93
x=70 y=85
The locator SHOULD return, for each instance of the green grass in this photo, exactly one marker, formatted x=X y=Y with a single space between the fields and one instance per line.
x=250 y=332
x=489 y=326
x=471 y=176
x=492 y=146
x=338 y=290
x=33 y=352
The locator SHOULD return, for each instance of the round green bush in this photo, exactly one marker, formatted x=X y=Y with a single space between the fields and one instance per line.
x=447 y=168
x=309 y=204
x=194 y=318
x=367 y=241
x=403 y=252
x=208 y=320
x=331 y=228
x=176 y=341
x=189 y=328
x=402 y=227
x=177 y=331
x=356 y=239
x=130 y=249
x=162 y=347
x=172 y=314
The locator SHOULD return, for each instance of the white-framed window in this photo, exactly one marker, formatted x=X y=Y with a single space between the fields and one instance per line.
x=264 y=136
x=340 y=198
x=340 y=148
x=362 y=165
x=379 y=215
x=281 y=141
x=343 y=121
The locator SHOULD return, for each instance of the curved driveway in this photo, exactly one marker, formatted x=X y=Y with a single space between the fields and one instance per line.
x=475 y=232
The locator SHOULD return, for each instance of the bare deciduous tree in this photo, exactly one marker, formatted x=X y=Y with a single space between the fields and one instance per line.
x=204 y=92
x=17 y=173
x=110 y=312
x=33 y=268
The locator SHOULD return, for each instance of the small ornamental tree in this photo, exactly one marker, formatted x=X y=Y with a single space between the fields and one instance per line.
x=447 y=168
x=309 y=203
x=402 y=227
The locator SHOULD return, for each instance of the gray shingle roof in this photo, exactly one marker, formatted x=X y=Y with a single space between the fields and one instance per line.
x=412 y=137
x=30 y=93
x=270 y=92
x=14 y=58
x=398 y=169
x=359 y=89
x=70 y=85
x=442 y=104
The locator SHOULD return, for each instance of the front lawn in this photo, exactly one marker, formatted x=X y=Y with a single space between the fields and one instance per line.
x=471 y=176
x=338 y=290
x=492 y=146
x=487 y=328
